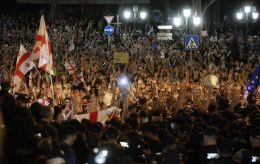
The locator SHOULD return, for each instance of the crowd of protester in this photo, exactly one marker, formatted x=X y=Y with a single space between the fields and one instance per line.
x=173 y=116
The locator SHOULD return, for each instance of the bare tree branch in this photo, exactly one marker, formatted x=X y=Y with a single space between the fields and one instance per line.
x=193 y=4
x=207 y=6
x=121 y=3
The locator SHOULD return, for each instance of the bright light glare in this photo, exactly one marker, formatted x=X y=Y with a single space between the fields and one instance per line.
x=247 y=9
x=127 y=14
x=239 y=15
x=123 y=82
x=196 y=21
x=124 y=144
x=143 y=15
x=255 y=15
x=186 y=13
x=100 y=159
x=95 y=150
x=104 y=153
x=177 y=21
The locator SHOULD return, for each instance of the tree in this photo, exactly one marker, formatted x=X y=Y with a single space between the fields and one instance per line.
x=197 y=5
x=211 y=2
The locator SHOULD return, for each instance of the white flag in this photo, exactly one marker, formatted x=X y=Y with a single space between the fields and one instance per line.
x=42 y=49
x=23 y=65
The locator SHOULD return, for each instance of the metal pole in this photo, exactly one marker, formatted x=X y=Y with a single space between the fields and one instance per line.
x=118 y=25
x=108 y=43
x=3 y=34
x=186 y=25
x=246 y=24
x=247 y=27
x=125 y=104
x=52 y=90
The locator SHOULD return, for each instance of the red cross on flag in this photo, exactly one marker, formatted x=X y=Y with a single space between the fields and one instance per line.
x=78 y=79
x=23 y=65
x=42 y=49
x=99 y=116
x=70 y=66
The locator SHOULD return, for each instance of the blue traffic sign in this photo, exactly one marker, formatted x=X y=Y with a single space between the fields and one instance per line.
x=109 y=30
x=191 y=42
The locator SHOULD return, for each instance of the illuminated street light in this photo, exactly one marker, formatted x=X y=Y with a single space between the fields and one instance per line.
x=196 y=20
x=177 y=21
x=239 y=15
x=143 y=15
x=135 y=15
x=186 y=13
x=247 y=9
x=255 y=16
x=127 y=14
x=245 y=16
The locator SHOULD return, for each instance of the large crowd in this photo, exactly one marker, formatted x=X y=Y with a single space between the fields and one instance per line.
x=173 y=115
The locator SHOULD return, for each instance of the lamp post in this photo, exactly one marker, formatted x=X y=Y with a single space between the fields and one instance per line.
x=134 y=15
x=177 y=21
x=143 y=15
x=245 y=15
x=255 y=16
x=247 y=11
x=186 y=14
x=196 y=20
x=127 y=14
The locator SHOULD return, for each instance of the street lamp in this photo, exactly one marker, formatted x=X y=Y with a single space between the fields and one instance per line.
x=143 y=15
x=247 y=9
x=196 y=20
x=239 y=15
x=255 y=16
x=127 y=14
x=135 y=15
x=186 y=14
x=247 y=12
x=177 y=21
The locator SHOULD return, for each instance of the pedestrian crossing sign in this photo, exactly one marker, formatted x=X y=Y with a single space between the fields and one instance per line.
x=191 y=42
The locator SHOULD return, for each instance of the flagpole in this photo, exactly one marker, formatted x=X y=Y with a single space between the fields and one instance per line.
x=258 y=78
x=11 y=68
x=52 y=90
x=38 y=72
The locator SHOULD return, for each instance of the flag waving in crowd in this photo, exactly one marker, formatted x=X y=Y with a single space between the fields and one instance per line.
x=99 y=116
x=23 y=65
x=78 y=79
x=70 y=66
x=42 y=49
x=254 y=81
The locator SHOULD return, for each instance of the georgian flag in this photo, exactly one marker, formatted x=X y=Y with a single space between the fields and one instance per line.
x=42 y=49
x=23 y=65
x=43 y=102
x=98 y=116
x=78 y=79
x=70 y=66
